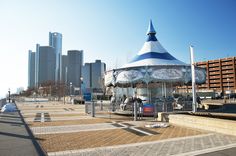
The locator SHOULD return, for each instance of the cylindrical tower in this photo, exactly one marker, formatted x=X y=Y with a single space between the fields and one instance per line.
x=55 y=40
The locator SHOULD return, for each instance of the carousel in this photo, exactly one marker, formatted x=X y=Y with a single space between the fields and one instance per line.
x=153 y=73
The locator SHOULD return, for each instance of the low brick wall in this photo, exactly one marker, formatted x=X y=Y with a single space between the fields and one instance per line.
x=205 y=123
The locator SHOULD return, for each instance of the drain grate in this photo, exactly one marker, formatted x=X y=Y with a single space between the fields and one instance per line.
x=47 y=117
x=134 y=132
x=117 y=125
x=37 y=117
x=147 y=130
x=127 y=124
x=42 y=117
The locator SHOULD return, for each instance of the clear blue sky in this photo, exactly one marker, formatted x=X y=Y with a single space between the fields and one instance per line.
x=112 y=30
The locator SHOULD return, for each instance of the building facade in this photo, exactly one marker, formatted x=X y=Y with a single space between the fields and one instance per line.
x=31 y=69
x=55 y=40
x=74 y=67
x=64 y=69
x=86 y=74
x=93 y=75
x=221 y=75
x=47 y=64
x=37 y=65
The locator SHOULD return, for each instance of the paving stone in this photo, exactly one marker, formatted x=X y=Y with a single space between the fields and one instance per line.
x=95 y=137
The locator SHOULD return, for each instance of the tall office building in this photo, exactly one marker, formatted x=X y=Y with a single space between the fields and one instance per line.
x=64 y=70
x=55 y=40
x=47 y=64
x=74 y=67
x=86 y=74
x=93 y=74
x=31 y=69
x=97 y=73
x=37 y=65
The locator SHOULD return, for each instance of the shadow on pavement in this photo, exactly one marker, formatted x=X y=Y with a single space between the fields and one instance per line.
x=17 y=135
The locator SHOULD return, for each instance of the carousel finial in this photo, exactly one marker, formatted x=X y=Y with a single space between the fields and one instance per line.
x=151 y=29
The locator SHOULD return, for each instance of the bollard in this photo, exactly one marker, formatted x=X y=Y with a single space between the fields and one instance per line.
x=135 y=111
x=93 y=109
x=113 y=107
x=101 y=106
x=86 y=108
x=155 y=111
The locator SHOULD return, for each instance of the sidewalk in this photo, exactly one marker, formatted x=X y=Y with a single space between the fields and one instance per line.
x=16 y=138
x=118 y=135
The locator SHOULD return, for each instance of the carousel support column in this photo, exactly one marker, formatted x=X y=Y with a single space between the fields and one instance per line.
x=135 y=105
x=162 y=89
x=163 y=96
x=165 y=88
x=127 y=91
x=193 y=79
x=165 y=104
x=148 y=94
x=135 y=110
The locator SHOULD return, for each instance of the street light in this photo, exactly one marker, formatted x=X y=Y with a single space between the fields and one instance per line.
x=9 y=92
x=81 y=83
x=70 y=88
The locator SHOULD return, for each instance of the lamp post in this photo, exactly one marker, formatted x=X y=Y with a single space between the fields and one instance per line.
x=194 y=104
x=81 y=83
x=9 y=94
x=70 y=88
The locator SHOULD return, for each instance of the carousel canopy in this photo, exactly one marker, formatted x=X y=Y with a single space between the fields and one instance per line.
x=153 y=64
x=152 y=53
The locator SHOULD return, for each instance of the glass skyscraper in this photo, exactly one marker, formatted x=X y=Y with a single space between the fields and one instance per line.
x=74 y=66
x=55 y=40
x=31 y=69
x=93 y=74
x=37 y=65
x=47 y=64
x=64 y=69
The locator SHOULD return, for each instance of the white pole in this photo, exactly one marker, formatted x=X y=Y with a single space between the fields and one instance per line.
x=193 y=79
x=165 y=88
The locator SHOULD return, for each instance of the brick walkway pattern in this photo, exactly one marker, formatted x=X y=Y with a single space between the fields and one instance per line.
x=72 y=132
x=192 y=145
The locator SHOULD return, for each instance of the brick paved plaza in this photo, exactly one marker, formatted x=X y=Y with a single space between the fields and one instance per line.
x=64 y=129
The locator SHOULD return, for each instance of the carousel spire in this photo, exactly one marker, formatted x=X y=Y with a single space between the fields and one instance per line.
x=151 y=29
x=151 y=32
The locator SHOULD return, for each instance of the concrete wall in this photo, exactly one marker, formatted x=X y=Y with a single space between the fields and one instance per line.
x=210 y=124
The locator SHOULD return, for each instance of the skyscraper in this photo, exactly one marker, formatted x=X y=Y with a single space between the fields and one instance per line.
x=93 y=74
x=47 y=64
x=75 y=62
x=86 y=74
x=55 y=40
x=37 y=65
x=31 y=69
x=97 y=73
x=64 y=69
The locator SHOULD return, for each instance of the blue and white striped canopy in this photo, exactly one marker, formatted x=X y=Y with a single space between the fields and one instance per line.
x=152 y=53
